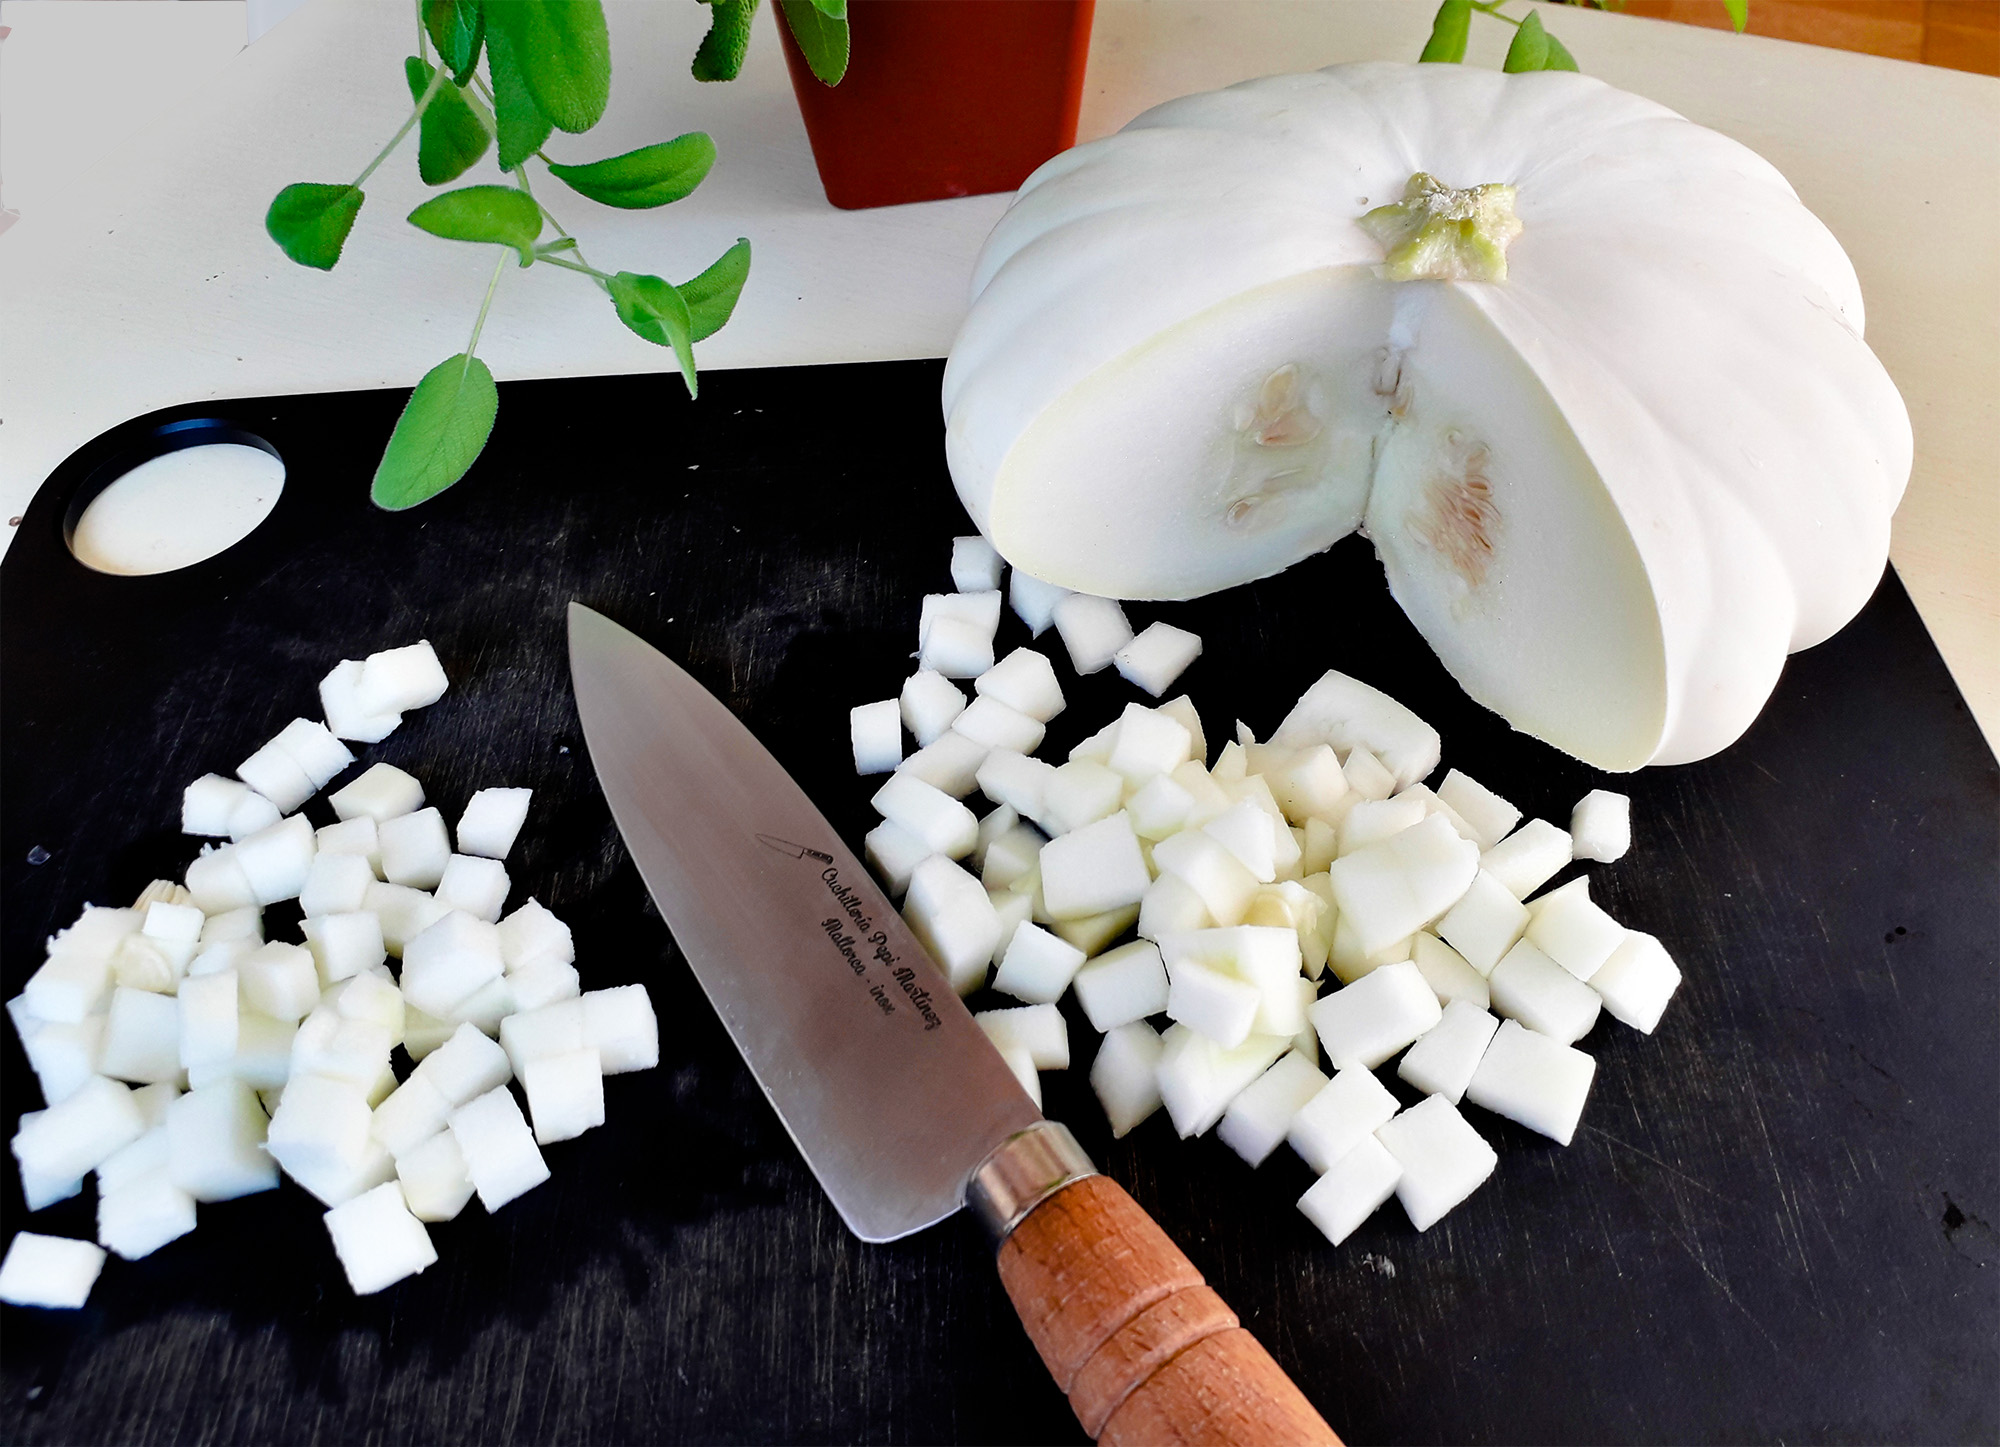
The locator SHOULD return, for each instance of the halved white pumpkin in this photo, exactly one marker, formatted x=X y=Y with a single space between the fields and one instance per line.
x=1615 y=465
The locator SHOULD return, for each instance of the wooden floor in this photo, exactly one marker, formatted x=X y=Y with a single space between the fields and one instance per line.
x=1961 y=34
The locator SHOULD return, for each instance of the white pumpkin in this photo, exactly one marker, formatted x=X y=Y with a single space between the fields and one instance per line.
x=1614 y=431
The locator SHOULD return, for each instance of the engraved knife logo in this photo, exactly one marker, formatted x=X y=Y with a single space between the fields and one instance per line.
x=793 y=851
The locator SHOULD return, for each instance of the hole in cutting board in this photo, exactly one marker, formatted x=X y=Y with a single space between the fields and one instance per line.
x=191 y=491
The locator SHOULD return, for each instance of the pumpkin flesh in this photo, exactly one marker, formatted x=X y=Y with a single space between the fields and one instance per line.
x=1224 y=448
x=1504 y=548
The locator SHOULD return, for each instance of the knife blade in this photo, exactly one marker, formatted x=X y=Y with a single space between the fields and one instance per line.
x=890 y=1091
x=900 y=1105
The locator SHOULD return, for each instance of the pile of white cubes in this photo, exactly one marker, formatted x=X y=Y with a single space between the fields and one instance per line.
x=1218 y=898
x=185 y=1058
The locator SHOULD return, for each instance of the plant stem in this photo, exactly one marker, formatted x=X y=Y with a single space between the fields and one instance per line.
x=560 y=231
x=423 y=101
x=522 y=173
x=582 y=266
x=480 y=325
x=1492 y=7
x=521 y=180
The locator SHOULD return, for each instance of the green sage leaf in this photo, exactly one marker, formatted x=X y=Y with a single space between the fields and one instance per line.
x=456 y=28
x=310 y=221
x=519 y=124
x=656 y=310
x=1448 y=33
x=564 y=55
x=728 y=40
x=497 y=215
x=822 y=38
x=1739 y=13
x=831 y=9
x=650 y=176
x=1530 y=50
x=451 y=137
x=711 y=297
x=1558 y=57
x=443 y=429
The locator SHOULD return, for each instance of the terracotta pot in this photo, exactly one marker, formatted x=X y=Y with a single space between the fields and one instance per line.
x=944 y=97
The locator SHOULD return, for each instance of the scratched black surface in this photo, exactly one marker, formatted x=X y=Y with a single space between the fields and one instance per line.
x=1778 y=1222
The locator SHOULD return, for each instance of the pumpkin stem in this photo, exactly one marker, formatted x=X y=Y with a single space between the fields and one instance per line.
x=1438 y=233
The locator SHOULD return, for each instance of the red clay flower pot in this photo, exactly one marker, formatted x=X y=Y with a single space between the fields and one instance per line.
x=944 y=97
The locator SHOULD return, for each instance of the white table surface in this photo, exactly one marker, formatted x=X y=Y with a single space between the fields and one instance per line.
x=140 y=144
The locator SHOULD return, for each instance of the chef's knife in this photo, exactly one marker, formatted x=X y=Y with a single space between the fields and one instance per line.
x=894 y=1096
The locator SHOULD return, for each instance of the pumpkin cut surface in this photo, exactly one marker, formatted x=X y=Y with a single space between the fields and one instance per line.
x=1590 y=376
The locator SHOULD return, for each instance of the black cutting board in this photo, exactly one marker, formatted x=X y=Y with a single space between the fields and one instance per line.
x=1777 y=1223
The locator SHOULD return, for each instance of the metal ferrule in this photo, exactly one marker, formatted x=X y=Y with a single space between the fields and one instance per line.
x=1022 y=1172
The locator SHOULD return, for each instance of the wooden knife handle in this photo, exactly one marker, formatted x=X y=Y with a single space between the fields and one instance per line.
x=1145 y=1351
